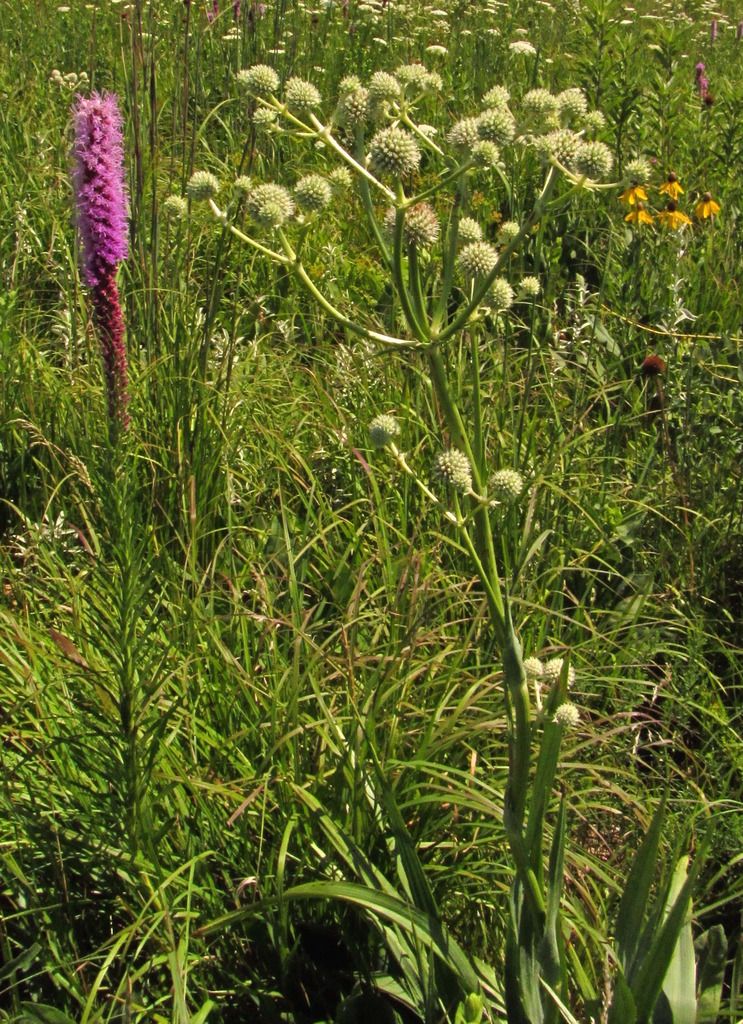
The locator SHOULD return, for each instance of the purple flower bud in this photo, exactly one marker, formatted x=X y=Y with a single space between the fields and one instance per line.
x=699 y=70
x=101 y=204
x=713 y=30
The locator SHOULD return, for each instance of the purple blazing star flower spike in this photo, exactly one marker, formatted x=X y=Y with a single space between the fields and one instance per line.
x=739 y=31
x=699 y=70
x=100 y=193
x=101 y=202
x=713 y=30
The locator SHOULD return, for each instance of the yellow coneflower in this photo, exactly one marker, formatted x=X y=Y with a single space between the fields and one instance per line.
x=639 y=215
x=672 y=218
x=633 y=195
x=706 y=207
x=671 y=187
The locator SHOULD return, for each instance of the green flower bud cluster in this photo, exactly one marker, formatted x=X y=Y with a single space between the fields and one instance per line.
x=354 y=107
x=529 y=287
x=349 y=84
x=485 y=154
x=562 y=145
x=498 y=96
x=533 y=668
x=593 y=123
x=384 y=88
x=264 y=117
x=394 y=152
x=417 y=78
x=340 y=179
x=553 y=671
x=500 y=296
x=175 y=207
x=508 y=230
x=539 y=108
x=464 y=133
x=453 y=467
x=637 y=171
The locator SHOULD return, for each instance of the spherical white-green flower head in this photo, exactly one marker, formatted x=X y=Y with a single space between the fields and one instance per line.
x=497 y=125
x=259 y=80
x=383 y=429
x=477 y=260
x=202 y=185
x=313 y=192
x=567 y=715
x=175 y=207
x=594 y=159
x=454 y=469
x=506 y=484
x=469 y=231
x=394 y=153
x=301 y=95
x=271 y=205
x=553 y=671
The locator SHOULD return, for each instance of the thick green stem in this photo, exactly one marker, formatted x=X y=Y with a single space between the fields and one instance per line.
x=520 y=745
x=415 y=323
x=222 y=218
x=416 y=284
x=324 y=133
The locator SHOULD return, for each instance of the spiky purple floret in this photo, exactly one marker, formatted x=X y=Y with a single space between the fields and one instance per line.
x=100 y=191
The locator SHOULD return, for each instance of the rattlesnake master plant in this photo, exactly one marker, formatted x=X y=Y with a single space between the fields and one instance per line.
x=449 y=277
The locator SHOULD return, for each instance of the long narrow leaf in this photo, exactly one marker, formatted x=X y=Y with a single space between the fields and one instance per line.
x=711 y=950
x=634 y=899
x=649 y=980
x=431 y=933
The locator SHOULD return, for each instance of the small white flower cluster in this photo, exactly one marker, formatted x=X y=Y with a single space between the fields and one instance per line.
x=72 y=81
x=549 y=674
